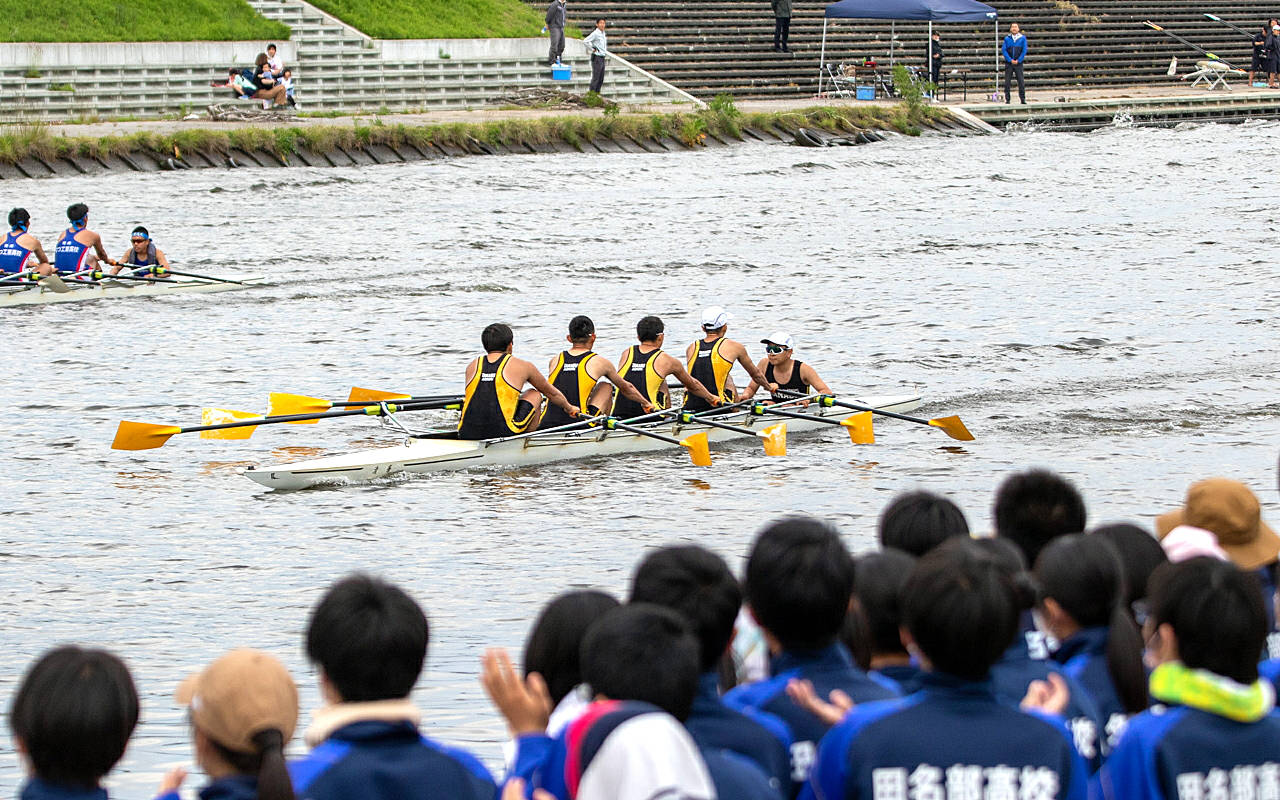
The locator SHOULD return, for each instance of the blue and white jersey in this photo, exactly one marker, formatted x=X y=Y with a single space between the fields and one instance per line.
x=13 y=256
x=952 y=739
x=1083 y=656
x=69 y=255
x=1180 y=753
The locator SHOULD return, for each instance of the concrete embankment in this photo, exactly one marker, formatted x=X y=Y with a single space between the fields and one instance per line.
x=41 y=151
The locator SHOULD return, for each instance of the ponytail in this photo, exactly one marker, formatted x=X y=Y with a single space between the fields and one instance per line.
x=273 y=775
x=1124 y=660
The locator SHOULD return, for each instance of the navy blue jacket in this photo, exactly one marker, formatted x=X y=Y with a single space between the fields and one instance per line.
x=951 y=739
x=1083 y=656
x=232 y=787
x=907 y=676
x=37 y=789
x=760 y=737
x=737 y=777
x=1014 y=51
x=1014 y=672
x=1171 y=752
x=1270 y=670
x=388 y=761
x=828 y=669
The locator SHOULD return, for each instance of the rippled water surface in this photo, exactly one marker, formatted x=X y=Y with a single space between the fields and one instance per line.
x=1099 y=303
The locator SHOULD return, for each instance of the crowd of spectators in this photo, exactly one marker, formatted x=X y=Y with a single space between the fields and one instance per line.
x=268 y=80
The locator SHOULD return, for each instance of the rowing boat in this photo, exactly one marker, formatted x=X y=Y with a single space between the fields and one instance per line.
x=39 y=294
x=436 y=453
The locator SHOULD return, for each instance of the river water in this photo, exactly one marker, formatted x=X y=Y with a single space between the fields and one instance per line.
x=1097 y=303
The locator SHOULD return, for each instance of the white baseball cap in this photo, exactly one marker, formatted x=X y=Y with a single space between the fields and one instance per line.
x=715 y=317
x=781 y=339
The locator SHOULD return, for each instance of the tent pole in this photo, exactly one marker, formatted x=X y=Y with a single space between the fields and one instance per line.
x=997 y=80
x=929 y=66
x=893 y=37
x=822 y=60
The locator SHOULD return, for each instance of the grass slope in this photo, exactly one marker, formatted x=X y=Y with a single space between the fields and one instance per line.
x=437 y=19
x=135 y=21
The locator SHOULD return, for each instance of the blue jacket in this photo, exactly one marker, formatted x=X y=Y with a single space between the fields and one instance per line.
x=233 y=787
x=388 y=761
x=1083 y=656
x=951 y=739
x=1270 y=670
x=906 y=676
x=760 y=737
x=1014 y=50
x=737 y=777
x=37 y=789
x=1171 y=752
x=828 y=669
x=1014 y=672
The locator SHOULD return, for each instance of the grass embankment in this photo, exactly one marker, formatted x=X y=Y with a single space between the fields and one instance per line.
x=437 y=19
x=135 y=21
x=690 y=128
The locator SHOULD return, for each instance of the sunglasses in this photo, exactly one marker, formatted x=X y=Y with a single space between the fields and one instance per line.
x=774 y=349
x=137 y=241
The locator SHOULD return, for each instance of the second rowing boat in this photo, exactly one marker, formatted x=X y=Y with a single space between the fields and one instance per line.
x=39 y=294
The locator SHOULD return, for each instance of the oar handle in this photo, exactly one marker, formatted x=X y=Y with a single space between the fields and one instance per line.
x=202 y=277
x=827 y=401
x=688 y=419
x=99 y=274
x=759 y=409
x=612 y=423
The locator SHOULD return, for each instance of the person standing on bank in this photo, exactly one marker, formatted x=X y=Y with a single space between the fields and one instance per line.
x=598 y=46
x=555 y=28
x=1273 y=56
x=781 y=25
x=1014 y=51
x=935 y=60
x=1259 y=62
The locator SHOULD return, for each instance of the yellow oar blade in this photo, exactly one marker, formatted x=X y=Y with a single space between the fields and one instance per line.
x=953 y=427
x=699 y=449
x=142 y=435
x=217 y=416
x=359 y=395
x=774 y=438
x=282 y=404
x=859 y=427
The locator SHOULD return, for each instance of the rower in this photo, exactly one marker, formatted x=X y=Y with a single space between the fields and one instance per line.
x=494 y=405
x=585 y=376
x=79 y=249
x=781 y=368
x=646 y=367
x=22 y=251
x=712 y=358
x=142 y=256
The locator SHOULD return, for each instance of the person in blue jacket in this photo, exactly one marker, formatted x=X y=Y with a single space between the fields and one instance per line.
x=369 y=640
x=1014 y=50
x=799 y=581
x=954 y=738
x=1082 y=603
x=877 y=587
x=697 y=583
x=71 y=719
x=1215 y=731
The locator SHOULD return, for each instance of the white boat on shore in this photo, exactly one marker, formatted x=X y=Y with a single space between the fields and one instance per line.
x=437 y=453
x=78 y=291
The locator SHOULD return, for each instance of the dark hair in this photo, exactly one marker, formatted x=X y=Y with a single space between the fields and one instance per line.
x=1216 y=612
x=1139 y=553
x=643 y=652
x=961 y=608
x=74 y=713
x=696 y=583
x=554 y=647
x=369 y=637
x=878 y=581
x=1083 y=575
x=267 y=764
x=580 y=328
x=916 y=522
x=600 y=20
x=496 y=338
x=77 y=211
x=1009 y=559
x=271 y=46
x=1034 y=507
x=260 y=60
x=19 y=216
x=648 y=329
x=140 y=230
x=233 y=71
x=798 y=582
x=855 y=635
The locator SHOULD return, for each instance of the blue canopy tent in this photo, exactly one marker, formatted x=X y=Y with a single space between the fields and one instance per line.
x=931 y=10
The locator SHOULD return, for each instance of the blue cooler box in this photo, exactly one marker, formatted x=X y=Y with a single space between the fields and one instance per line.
x=561 y=73
x=866 y=93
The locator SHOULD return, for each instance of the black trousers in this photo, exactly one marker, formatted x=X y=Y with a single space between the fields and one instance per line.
x=1010 y=71
x=557 y=44
x=781 y=30
x=597 y=73
x=935 y=72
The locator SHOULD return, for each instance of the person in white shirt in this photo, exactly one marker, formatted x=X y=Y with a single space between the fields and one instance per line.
x=274 y=61
x=598 y=46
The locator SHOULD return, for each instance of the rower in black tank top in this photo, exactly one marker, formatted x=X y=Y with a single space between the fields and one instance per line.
x=570 y=376
x=492 y=407
x=794 y=384
x=638 y=370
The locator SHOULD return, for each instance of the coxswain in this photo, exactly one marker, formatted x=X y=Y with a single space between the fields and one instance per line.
x=712 y=358
x=585 y=377
x=79 y=249
x=22 y=251
x=646 y=367
x=142 y=257
x=494 y=404
x=780 y=367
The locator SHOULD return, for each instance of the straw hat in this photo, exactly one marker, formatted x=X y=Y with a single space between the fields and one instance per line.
x=1230 y=510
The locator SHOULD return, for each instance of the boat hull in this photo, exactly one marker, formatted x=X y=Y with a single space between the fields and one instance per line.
x=438 y=455
x=41 y=295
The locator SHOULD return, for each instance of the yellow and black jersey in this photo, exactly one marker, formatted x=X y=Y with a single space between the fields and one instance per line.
x=571 y=377
x=638 y=370
x=710 y=369
x=492 y=406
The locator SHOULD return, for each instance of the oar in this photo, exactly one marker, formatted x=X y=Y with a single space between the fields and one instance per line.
x=202 y=277
x=1229 y=25
x=145 y=435
x=99 y=275
x=774 y=437
x=280 y=403
x=18 y=276
x=951 y=426
x=858 y=425
x=699 y=449
x=1192 y=45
